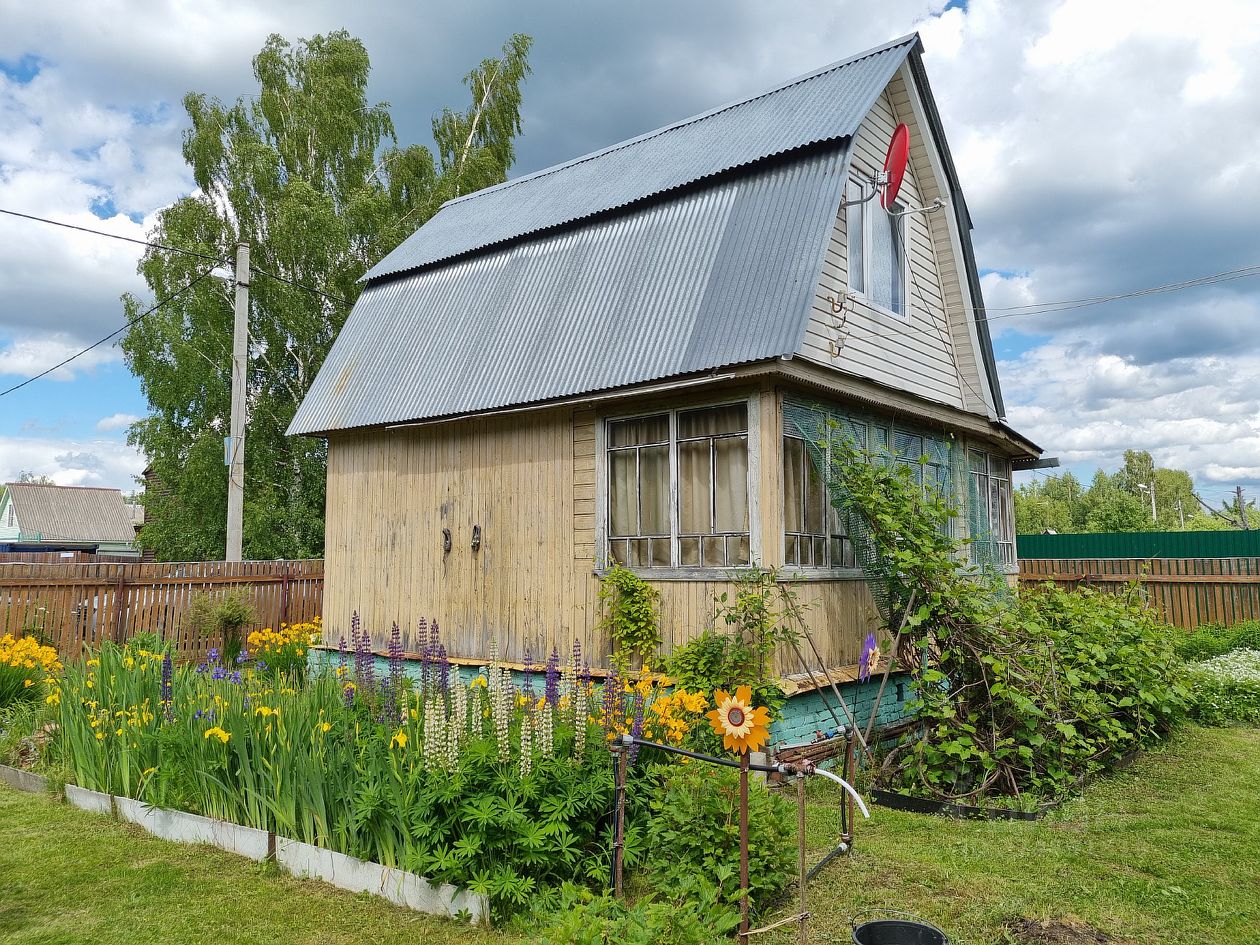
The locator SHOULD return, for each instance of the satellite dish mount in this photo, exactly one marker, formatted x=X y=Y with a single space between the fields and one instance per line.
x=886 y=183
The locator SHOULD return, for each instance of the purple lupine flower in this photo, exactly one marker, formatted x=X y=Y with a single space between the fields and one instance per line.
x=869 y=660
x=636 y=727
x=612 y=700
x=527 y=675
x=364 y=661
x=551 y=688
x=585 y=676
x=422 y=634
x=395 y=657
x=342 y=657
x=442 y=667
x=347 y=695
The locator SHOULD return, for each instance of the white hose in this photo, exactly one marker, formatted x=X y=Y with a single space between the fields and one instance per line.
x=848 y=787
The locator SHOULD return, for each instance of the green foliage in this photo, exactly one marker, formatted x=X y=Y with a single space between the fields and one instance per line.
x=453 y=792
x=1013 y=696
x=1225 y=690
x=763 y=616
x=222 y=617
x=629 y=614
x=1211 y=640
x=308 y=172
x=694 y=829
x=692 y=914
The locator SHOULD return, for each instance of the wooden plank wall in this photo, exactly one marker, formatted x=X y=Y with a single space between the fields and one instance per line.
x=78 y=606
x=529 y=481
x=1187 y=592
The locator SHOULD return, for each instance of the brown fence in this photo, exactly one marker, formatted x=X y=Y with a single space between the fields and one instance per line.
x=1187 y=592
x=80 y=605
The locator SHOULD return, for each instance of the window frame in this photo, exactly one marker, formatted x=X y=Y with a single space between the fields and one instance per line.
x=676 y=571
x=1003 y=544
x=901 y=239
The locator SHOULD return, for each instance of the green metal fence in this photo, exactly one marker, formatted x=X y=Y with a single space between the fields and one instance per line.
x=1231 y=544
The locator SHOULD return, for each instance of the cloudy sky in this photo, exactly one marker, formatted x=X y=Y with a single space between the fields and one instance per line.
x=1105 y=146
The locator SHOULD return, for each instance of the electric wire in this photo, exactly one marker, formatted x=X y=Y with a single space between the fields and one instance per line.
x=113 y=334
x=301 y=285
x=112 y=236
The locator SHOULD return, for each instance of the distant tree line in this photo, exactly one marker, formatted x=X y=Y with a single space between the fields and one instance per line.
x=1122 y=502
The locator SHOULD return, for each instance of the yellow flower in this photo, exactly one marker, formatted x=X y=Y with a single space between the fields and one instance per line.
x=100 y=736
x=27 y=683
x=478 y=683
x=324 y=726
x=265 y=711
x=218 y=733
x=742 y=727
x=399 y=740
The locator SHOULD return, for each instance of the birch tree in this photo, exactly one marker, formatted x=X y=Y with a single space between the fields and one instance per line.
x=312 y=176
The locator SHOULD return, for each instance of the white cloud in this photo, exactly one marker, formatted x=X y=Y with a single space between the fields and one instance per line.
x=71 y=462
x=116 y=421
x=27 y=357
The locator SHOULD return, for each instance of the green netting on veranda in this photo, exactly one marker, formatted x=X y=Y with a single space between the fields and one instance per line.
x=938 y=463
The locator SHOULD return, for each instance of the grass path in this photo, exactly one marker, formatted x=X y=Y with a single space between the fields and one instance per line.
x=1167 y=853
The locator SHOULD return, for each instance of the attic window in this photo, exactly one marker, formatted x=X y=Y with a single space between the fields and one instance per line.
x=678 y=489
x=877 y=259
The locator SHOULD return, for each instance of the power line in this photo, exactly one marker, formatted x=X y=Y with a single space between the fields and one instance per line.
x=300 y=285
x=133 y=322
x=1045 y=308
x=112 y=236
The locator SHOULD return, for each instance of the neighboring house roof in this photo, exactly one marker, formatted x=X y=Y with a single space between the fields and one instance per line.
x=691 y=248
x=70 y=513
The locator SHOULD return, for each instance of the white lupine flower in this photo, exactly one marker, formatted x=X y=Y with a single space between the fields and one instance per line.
x=527 y=742
x=546 y=731
x=580 y=709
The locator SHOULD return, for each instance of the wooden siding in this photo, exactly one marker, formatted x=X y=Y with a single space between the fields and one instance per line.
x=914 y=353
x=529 y=480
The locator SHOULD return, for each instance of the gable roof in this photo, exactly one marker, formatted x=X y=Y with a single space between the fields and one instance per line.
x=71 y=513
x=694 y=247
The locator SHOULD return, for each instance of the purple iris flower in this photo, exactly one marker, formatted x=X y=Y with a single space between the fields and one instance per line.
x=219 y=673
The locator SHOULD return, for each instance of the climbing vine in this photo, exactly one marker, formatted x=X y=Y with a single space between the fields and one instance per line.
x=1014 y=694
x=629 y=614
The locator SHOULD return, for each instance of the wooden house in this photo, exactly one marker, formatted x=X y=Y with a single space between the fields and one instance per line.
x=35 y=517
x=610 y=360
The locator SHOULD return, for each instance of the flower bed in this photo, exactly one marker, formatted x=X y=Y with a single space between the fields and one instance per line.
x=469 y=779
x=26 y=669
x=1226 y=689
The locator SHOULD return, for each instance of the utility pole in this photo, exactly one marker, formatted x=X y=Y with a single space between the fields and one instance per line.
x=235 y=446
x=1181 y=514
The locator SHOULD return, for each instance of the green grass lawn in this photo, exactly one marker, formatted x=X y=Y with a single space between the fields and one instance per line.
x=1166 y=852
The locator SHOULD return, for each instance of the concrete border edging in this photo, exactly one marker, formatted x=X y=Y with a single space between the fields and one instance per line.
x=94 y=802
x=22 y=780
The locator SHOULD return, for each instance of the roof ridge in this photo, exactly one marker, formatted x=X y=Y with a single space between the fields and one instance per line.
x=691 y=120
x=54 y=485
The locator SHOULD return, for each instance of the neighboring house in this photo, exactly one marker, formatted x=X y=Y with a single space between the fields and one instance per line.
x=65 y=518
x=621 y=358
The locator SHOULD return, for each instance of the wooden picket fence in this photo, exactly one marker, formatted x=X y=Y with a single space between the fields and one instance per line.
x=77 y=606
x=1187 y=592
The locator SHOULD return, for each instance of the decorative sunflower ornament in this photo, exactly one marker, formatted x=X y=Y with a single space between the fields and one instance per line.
x=743 y=728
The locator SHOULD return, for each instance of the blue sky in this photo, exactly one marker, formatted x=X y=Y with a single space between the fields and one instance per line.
x=1077 y=128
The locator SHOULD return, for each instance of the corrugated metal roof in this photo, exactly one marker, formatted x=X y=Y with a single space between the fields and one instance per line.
x=710 y=277
x=826 y=105
x=71 y=513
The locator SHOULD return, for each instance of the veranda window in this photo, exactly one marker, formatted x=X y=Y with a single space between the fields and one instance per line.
x=700 y=457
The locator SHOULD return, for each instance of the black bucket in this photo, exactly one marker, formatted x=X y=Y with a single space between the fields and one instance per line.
x=895 y=928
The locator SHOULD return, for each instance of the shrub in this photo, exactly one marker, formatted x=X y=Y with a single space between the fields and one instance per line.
x=692 y=915
x=1226 y=689
x=694 y=830
x=1211 y=640
x=222 y=617
x=27 y=669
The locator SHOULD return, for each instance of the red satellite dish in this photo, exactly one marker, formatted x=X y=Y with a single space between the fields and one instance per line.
x=895 y=165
